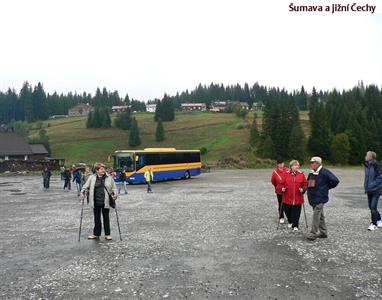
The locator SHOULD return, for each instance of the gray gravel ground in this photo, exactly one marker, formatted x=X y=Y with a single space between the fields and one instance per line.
x=213 y=236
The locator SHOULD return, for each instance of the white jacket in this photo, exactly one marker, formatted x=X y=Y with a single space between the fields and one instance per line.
x=109 y=185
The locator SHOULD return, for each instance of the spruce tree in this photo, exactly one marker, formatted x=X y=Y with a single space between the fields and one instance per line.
x=165 y=110
x=297 y=144
x=134 y=138
x=159 y=133
x=340 y=149
x=96 y=119
x=158 y=111
x=254 y=137
x=27 y=103
x=319 y=142
x=268 y=148
x=89 y=121
x=123 y=120
x=105 y=120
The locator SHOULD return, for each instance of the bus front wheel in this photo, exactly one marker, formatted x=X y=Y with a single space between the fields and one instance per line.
x=187 y=175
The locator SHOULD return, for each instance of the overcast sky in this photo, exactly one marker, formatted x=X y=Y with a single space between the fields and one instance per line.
x=149 y=47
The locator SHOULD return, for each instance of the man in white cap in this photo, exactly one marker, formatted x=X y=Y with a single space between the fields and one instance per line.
x=320 y=181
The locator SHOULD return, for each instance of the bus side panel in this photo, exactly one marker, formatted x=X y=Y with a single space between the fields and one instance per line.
x=136 y=178
x=163 y=175
x=195 y=172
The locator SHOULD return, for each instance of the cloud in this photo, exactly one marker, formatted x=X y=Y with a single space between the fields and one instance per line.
x=150 y=47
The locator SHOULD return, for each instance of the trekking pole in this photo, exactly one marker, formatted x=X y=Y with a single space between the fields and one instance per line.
x=82 y=213
x=119 y=228
x=306 y=222
x=278 y=217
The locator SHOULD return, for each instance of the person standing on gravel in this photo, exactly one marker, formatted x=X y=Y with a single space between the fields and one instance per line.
x=149 y=177
x=277 y=180
x=99 y=186
x=294 y=187
x=67 y=179
x=320 y=181
x=78 y=179
x=121 y=180
x=46 y=174
x=373 y=188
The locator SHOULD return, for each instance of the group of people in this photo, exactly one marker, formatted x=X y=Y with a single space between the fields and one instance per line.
x=78 y=175
x=97 y=184
x=291 y=185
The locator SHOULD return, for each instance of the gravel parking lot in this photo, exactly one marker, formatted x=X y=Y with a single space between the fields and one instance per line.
x=213 y=236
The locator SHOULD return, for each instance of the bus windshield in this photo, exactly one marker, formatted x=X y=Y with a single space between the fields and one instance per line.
x=124 y=160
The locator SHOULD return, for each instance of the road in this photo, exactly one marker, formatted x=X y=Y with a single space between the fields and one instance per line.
x=211 y=237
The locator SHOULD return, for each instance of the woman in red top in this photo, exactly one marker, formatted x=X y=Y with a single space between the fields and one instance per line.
x=295 y=185
x=277 y=180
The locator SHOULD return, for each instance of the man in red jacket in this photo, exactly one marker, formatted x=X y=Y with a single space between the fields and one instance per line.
x=277 y=180
x=295 y=185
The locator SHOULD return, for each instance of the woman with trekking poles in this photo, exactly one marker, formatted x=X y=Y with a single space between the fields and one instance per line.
x=101 y=191
x=277 y=180
x=294 y=187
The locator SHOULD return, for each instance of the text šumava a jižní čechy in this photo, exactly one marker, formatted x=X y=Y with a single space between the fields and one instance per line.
x=333 y=8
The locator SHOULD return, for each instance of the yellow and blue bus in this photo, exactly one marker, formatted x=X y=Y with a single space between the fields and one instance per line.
x=166 y=163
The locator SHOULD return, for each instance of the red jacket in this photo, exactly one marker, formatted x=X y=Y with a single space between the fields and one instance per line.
x=277 y=180
x=292 y=184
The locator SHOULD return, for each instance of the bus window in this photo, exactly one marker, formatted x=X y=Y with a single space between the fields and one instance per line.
x=124 y=160
x=140 y=161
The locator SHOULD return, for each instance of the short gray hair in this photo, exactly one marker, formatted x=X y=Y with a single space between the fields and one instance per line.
x=373 y=154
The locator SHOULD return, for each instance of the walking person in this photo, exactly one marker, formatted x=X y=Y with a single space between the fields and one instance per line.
x=373 y=188
x=320 y=181
x=78 y=179
x=62 y=171
x=67 y=179
x=149 y=177
x=99 y=186
x=294 y=187
x=46 y=174
x=277 y=180
x=121 y=180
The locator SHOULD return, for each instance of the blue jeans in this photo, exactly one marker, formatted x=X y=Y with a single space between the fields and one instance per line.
x=373 y=205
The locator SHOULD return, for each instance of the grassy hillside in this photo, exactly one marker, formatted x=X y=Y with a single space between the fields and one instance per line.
x=224 y=135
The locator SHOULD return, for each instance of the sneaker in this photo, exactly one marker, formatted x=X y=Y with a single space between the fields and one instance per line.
x=108 y=237
x=379 y=224
x=289 y=225
x=93 y=237
x=282 y=221
x=372 y=227
x=295 y=228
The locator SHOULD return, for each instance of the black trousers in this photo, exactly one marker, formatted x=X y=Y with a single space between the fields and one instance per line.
x=293 y=213
x=97 y=220
x=280 y=200
x=67 y=184
x=46 y=183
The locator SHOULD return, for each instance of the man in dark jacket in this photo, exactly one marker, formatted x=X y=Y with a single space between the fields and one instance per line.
x=67 y=178
x=320 y=181
x=373 y=188
x=46 y=174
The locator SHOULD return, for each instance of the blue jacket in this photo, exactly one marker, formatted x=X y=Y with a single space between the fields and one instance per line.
x=373 y=177
x=77 y=176
x=319 y=185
